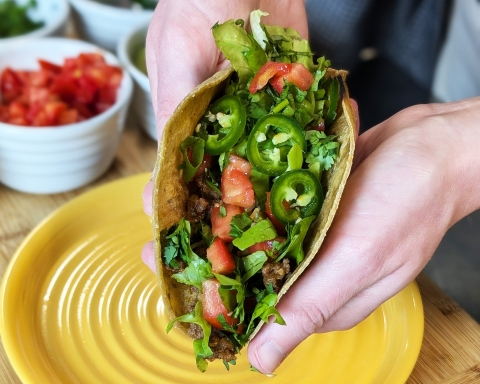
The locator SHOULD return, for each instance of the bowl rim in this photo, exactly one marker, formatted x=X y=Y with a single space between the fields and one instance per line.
x=124 y=56
x=124 y=93
x=97 y=6
x=42 y=31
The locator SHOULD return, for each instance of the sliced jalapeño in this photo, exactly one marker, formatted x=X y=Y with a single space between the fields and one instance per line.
x=229 y=124
x=296 y=194
x=270 y=141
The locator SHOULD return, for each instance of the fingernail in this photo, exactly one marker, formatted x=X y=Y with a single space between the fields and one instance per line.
x=269 y=356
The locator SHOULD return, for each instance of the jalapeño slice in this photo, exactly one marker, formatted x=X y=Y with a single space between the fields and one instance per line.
x=229 y=126
x=270 y=140
x=303 y=193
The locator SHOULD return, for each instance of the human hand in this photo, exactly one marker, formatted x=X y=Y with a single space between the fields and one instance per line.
x=181 y=51
x=413 y=177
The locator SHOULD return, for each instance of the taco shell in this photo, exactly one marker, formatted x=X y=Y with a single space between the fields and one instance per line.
x=170 y=191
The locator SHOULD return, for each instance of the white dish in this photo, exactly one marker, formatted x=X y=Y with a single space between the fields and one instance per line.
x=58 y=159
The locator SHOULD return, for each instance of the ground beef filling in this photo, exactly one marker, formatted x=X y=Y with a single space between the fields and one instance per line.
x=197 y=207
x=275 y=273
x=221 y=347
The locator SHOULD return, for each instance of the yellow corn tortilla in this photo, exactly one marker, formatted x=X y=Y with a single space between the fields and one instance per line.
x=170 y=191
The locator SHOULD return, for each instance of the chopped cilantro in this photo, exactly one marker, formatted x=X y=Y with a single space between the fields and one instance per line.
x=238 y=224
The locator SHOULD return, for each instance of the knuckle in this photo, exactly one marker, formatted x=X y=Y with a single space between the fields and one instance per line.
x=310 y=318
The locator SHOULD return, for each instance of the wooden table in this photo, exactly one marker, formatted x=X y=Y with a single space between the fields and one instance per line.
x=451 y=347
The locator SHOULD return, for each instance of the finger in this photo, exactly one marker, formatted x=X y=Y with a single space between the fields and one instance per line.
x=180 y=55
x=148 y=256
x=147 y=198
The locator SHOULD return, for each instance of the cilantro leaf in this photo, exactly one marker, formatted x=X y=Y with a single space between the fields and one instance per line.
x=321 y=149
x=263 y=310
x=197 y=271
x=176 y=244
x=238 y=224
x=200 y=346
x=293 y=247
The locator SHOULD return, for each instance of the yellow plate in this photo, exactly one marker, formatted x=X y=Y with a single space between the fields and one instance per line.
x=79 y=306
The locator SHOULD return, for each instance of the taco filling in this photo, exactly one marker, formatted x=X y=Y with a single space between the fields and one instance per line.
x=254 y=169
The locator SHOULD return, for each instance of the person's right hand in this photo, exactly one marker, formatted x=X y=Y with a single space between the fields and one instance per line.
x=414 y=175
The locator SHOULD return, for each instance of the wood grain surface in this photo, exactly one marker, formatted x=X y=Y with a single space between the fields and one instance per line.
x=451 y=347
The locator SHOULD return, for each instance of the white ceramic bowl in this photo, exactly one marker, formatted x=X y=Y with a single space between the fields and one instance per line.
x=58 y=159
x=54 y=14
x=104 y=24
x=127 y=48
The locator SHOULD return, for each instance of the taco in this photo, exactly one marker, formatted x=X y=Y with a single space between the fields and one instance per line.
x=250 y=170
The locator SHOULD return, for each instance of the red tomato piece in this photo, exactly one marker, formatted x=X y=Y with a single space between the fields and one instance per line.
x=221 y=225
x=279 y=227
x=53 y=110
x=265 y=73
x=11 y=85
x=68 y=116
x=265 y=246
x=300 y=76
x=278 y=83
x=276 y=73
x=48 y=66
x=213 y=305
x=220 y=257
x=16 y=109
x=236 y=186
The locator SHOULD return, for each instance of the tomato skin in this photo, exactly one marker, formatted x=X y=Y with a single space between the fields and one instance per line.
x=236 y=186
x=279 y=227
x=277 y=73
x=265 y=246
x=265 y=73
x=213 y=305
x=221 y=225
x=300 y=76
x=220 y=257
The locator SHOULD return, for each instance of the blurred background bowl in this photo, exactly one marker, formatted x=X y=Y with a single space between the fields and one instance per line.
x=54 y=14
x=103 y=23
x=131 y=52
x=62 y=158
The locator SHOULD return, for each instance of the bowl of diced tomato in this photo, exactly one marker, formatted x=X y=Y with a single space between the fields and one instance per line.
x=131 y=52
x=63 y=105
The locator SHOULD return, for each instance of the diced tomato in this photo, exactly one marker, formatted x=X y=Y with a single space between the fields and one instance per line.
x=48 y=66
x=265 y=246
x=265 y=73
x=236 y=186
x=68 y=116
x=82 y=87
x=213 y=305
x=221 y=225
x=16 y=109
x=277 y=73
x=220 y=257
x=10 y=85
x=300 y=76
x=279 y=227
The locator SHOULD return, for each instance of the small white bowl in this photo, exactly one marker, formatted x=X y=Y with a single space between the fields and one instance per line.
x=59 y=159
x=127 y=48
x=104 y=24
x=54 y=14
